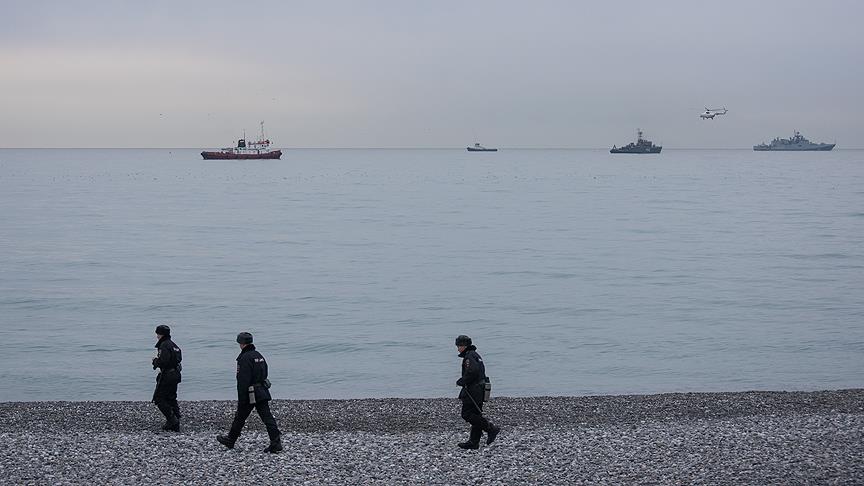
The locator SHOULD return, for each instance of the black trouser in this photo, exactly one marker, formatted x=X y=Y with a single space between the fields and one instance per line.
x=472 y=412
x=243 y=411
x=165 y=397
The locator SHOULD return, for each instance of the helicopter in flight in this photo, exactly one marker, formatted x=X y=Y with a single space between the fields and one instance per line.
x=711 y=113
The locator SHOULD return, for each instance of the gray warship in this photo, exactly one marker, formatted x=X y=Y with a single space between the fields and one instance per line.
x=641 y=146
x=795 y=144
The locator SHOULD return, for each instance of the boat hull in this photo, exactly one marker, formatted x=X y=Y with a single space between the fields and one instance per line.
x=822 y=147
x=472 y=149
x=652 y=150
x=229 y=156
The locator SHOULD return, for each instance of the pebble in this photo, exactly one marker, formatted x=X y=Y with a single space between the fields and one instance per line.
x=681 y=438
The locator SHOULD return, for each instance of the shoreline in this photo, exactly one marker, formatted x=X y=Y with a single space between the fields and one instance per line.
x=737 y=437
x=438 y=413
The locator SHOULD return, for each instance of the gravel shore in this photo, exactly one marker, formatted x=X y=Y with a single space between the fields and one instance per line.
x=691 y=438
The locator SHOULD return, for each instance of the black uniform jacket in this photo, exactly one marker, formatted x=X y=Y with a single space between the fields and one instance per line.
x=168 y=358
x=473 y=374
x=251 y=371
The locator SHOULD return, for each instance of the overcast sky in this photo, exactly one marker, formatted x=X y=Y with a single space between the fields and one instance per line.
x=429 y=74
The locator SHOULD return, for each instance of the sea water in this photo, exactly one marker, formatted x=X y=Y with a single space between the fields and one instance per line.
x=575 y=271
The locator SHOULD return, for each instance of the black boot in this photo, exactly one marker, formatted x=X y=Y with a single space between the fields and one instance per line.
x=492 y=433
x=469 y=445
x=226 y=441
x=172 y=424
x=275 y=446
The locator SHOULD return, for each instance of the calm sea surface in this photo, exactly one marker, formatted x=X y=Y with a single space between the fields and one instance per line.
x=575 y=271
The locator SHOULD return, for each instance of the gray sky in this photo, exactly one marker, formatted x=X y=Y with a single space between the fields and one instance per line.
x=429 y=74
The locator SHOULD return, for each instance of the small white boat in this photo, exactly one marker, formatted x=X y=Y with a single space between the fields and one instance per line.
x=479 y=148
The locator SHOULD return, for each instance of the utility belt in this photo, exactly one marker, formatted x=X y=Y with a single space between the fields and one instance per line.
x=169 y=376
x=265 y=384
x=485 y=385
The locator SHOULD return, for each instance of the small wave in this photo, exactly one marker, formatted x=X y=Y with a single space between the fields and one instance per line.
x=514 y=272
x=560 y=275
x=333 y=348
x=543 y=311
x=19 y=301
x=169 y=307
x=820 y=256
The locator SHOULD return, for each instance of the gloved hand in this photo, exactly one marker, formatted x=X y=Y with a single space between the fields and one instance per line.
x=154 y=364
x=460 y=382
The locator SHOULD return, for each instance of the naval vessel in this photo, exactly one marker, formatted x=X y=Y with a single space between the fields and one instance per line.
x=796 y=143
x=479 y=148
x=641 y=146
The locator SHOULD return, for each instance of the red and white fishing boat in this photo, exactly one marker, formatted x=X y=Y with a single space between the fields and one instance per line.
x=246 y=150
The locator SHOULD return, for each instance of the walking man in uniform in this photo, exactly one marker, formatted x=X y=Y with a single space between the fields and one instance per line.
x=252 y=392
x=167 y=360
x=473 y=383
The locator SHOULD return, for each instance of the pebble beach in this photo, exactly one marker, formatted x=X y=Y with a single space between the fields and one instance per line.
x=681 y=438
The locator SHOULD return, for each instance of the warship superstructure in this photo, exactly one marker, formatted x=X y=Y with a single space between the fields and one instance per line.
x=795 y=144
x=641 y=146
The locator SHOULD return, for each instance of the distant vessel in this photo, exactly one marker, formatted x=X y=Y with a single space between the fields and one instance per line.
x=479 y=148
x=794 y=144
x=245 y=150
x=641 y=146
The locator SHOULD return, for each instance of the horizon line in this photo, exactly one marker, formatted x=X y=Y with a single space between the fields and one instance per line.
x=389 y=148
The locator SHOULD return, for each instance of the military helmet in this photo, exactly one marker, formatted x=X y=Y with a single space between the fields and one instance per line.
x=463 y=340
x=244 y=338
x=163 y=330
